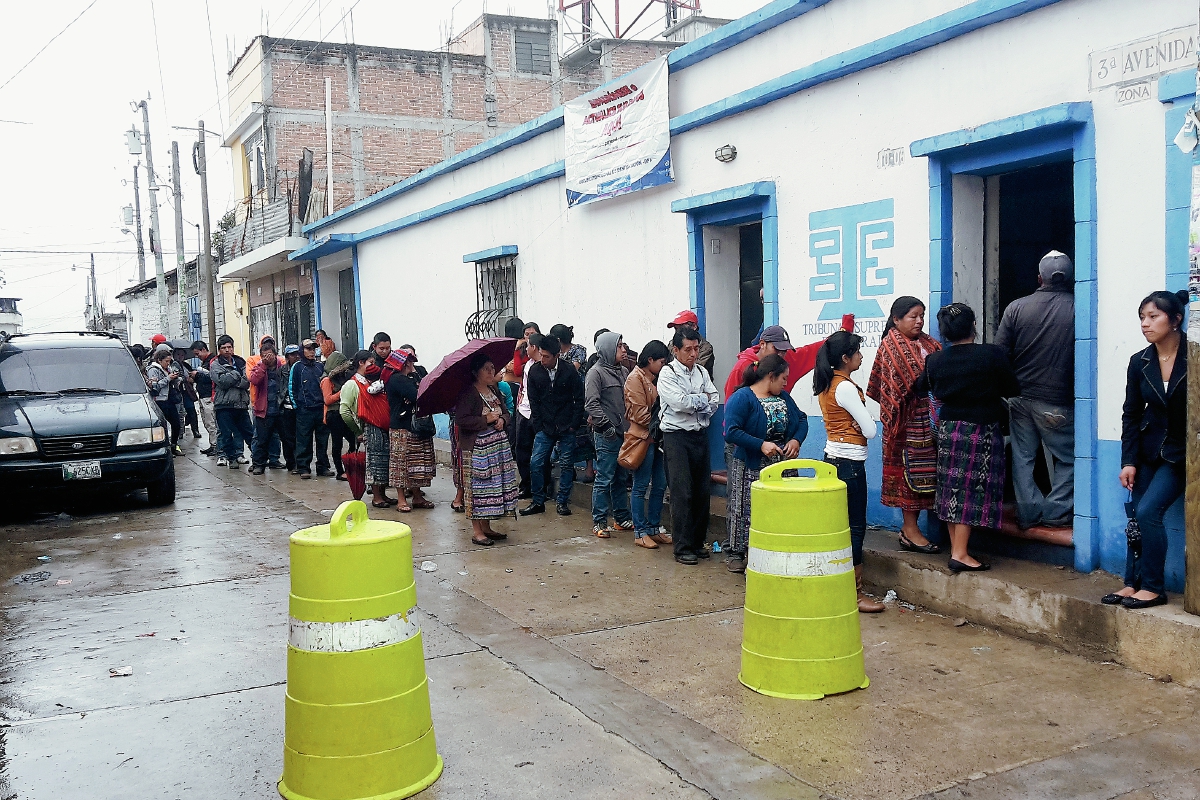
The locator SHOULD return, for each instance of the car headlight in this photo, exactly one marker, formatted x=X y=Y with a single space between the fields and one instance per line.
x=141 y=436
x=17 y=445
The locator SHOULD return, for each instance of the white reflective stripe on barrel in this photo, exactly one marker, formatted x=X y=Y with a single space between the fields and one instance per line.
x=800 y=565
x=349 y=637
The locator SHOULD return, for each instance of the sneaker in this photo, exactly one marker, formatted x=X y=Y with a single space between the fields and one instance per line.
x=275 y=465
x=234 y=465
x=736 y=564
x=178 y=451
x=243 y=460
x=687 y=558
x=257 y=470
x=208 y=451
x=704 y=553
x=563 y=510
x=222 y=461
x=195 y=434
x=533 y=508
x=627 y=525
x=305 y=474
x=324 y=473
x=601 y=530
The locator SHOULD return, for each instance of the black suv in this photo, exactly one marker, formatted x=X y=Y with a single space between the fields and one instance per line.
x=75 y=413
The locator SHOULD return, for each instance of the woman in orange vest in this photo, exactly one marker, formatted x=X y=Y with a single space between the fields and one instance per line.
x=848 y=426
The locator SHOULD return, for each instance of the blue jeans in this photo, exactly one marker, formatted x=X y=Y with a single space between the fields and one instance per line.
x=650 y=477
x=854 y=475
x=1036 y=424
x=235 y=427
x=610 y=491
x=1156 y=488
x=543 y=445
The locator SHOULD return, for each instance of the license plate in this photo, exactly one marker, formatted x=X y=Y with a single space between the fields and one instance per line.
x=81 y=471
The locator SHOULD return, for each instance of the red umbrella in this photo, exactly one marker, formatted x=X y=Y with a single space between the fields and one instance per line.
x=355 y=464
x=440 y=389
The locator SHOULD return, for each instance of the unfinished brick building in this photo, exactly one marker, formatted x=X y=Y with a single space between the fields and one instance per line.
x=394 y=112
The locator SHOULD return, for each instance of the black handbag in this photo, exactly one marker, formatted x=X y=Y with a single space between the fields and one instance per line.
x=424 y=427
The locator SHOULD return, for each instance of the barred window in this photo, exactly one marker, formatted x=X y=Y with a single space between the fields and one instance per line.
x=495 y=297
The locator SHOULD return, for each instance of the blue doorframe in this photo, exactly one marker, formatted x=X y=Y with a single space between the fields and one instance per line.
x=1064 y=132
x=1177 y=91
x=739 y=205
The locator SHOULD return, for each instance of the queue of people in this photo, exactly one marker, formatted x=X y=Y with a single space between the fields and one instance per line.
x=637 y=423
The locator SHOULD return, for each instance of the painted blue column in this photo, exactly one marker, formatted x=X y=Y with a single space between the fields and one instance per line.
x=317 y=293
x=695 y=234
x=358 y=315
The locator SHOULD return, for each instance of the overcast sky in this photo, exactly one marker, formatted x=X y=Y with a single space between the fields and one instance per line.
x=63 y=117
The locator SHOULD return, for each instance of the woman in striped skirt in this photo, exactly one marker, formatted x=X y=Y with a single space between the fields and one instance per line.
x=971 y=381
x=489 y=474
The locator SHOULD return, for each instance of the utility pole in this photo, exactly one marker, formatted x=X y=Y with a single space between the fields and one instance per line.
x=137 y=218
x=204 y=264
x=96 y=323
x=180 y=255
x=155 y=231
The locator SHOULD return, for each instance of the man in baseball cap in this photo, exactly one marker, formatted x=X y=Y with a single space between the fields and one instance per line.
x=687 y=318
x=774 y=340
x=1038 y=334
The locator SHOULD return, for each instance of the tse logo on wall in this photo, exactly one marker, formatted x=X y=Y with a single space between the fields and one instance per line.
x=844 y=242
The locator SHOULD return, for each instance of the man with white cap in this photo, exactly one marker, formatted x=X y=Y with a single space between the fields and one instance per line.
x=1038 y=333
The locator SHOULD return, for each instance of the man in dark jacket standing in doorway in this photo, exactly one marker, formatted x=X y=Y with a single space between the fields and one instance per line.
x=304 y=388
x=556 y=411
x=1038 y=334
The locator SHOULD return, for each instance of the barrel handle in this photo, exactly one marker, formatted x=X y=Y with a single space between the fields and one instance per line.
x=774 y=473
x=356 y=510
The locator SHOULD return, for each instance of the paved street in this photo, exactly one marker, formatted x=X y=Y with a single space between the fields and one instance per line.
x=560 y=665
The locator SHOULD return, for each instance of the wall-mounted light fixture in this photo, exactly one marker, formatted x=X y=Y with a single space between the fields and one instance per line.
x=726 y=153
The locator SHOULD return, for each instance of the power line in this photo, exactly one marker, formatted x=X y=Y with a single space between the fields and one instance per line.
x=158 y=56
x=213 y=53
x=47 y=44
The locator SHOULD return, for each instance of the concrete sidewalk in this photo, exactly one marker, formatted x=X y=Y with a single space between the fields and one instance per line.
x=560 y=664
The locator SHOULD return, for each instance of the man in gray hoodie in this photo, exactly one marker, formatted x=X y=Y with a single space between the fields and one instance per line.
x=604 y=402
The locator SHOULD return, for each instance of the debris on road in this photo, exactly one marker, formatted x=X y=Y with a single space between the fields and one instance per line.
x=428 y=566
x=120 y=672
x=523 y=764
x=31 y=577
x=117 y=536
x=890 y=597
x=61 y=582
x=463 y=572
x=43 y=558
x=145 y=635
x=716 y=547
x=958 y=623
x=509 y=570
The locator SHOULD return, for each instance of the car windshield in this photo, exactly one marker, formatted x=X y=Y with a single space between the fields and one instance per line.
x=66 y=369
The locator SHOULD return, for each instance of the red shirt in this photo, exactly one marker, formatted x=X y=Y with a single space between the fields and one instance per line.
x=800 y=361
x=519 y=361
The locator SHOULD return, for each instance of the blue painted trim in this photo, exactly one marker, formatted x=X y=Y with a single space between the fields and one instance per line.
x=317 y=293
x=495 y=252
x=341 y=241
x=737 y=205
x=358 y=315
x=522 y=133
x=912 y=39
x=942 y=28
x=1048 y=134
x=1069 y=115
x=1177 y=86
x=740 y=30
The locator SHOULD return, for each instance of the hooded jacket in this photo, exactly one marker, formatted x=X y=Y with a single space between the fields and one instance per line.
x=268 y=398
x=253 y=360
x=604 y=391
x=231 y=386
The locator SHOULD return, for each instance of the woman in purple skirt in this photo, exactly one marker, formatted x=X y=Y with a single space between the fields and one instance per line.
x=970 y=381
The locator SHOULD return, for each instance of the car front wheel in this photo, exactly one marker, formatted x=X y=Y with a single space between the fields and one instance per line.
x=162 y=491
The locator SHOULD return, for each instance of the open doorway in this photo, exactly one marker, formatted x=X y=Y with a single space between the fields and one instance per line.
x=733 y=283
x=1003 y=224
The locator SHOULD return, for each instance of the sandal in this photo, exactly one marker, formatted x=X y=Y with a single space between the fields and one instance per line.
x=458 y=509
x=380 y=505
x=662 y=538
x=646 y=542
x=498 y=537
x=404 y=508
x=482 y=542
x=422 y=503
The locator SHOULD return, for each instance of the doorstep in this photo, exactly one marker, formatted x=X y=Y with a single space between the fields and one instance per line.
x=1051 y=604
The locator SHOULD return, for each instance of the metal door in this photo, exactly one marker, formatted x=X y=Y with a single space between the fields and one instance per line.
x=348 y=315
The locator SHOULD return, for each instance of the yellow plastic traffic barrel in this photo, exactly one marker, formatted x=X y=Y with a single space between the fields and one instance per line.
x=801 y=638
x=357 y=722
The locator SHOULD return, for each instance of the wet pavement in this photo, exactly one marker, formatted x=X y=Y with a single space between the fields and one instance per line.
x=560 y=665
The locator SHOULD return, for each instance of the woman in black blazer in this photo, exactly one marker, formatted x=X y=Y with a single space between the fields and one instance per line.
x=1153 y=431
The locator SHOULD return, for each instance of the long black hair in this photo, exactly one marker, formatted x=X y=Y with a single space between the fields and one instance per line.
x=1173 y=304
x=841 y=345
x=956 y=322
x=902 y=306
x=771 y=366
x=653 y=351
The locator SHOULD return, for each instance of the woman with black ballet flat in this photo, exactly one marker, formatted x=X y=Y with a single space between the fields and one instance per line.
x=1153 y=430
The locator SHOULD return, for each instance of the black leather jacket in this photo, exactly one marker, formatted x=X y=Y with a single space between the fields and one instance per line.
x=1154 y=420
